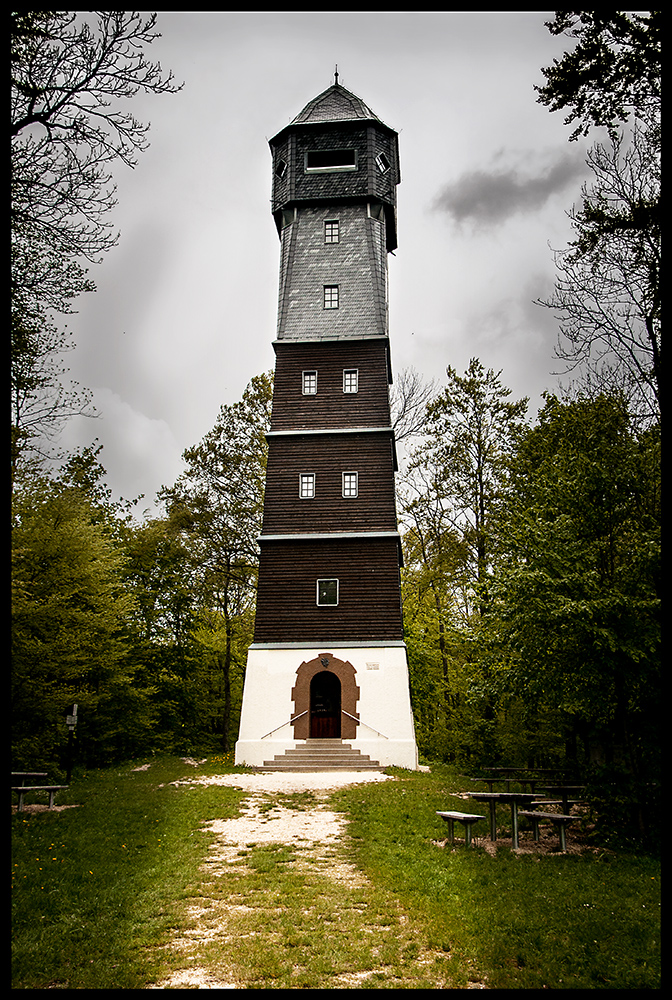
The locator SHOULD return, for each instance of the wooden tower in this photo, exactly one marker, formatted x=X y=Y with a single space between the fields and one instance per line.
x=328 y=661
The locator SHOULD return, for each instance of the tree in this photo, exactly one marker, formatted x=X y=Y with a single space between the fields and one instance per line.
x=218 y=504
x=448 y=500
x=608 y=295
x=40 y=402
x=613 y=72
x=409 y=397
x=163 y=574
x=71 y=618
x=575 y=616
x=455 y=477
x=71 y=72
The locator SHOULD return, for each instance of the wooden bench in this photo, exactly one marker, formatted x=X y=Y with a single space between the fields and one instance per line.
x=52 y=789
x=557 y=819
x=466 y=819
x=28 y=774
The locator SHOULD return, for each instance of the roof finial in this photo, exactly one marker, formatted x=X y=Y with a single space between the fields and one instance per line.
x=336 y=76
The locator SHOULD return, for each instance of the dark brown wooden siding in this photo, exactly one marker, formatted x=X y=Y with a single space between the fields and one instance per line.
x=327 y=456
x=330 y=406
x=369 y=606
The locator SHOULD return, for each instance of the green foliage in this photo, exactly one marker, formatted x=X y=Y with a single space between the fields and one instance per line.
x=217 y=506
x=70 y=618
x=455 y=476
x=144 y=626
x=575 y=627
x=613 y=70
x=557 y=661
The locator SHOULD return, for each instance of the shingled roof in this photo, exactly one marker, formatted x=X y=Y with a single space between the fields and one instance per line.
x=335 y=104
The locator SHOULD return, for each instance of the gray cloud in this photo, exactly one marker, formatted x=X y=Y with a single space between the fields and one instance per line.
x=489 y=198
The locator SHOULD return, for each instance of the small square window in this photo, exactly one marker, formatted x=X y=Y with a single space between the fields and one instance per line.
x=350 y=484
x=309 y=383
x=327 y=593
x=331 y=231
x=307 y=485
x=331 y=296
x=350 y=379
x=382 y=163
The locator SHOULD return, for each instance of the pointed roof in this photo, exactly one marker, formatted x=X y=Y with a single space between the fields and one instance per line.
x=335 y=104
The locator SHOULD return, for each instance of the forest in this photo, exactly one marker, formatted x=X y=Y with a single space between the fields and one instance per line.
x=532 y=553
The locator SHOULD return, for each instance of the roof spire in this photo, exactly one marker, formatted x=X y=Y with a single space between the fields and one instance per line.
x=336 y=76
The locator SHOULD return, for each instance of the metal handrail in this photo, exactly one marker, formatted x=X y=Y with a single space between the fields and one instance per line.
x=301 y=714
x=288 y=723
x=360 y=723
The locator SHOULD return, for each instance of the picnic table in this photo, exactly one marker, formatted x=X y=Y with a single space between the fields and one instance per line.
x=559 y=822
x=564 y=791
x=507 y=779
x=514 y=799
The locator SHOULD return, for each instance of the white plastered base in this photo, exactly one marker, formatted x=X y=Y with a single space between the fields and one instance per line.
x=385 y=731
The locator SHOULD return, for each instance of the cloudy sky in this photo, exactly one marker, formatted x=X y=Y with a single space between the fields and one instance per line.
x=185 y=311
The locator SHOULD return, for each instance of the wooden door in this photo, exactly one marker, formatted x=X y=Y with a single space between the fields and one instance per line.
x=325 y=706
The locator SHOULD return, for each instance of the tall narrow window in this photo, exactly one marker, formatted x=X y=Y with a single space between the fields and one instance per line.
x=327 y=593
x=307 y=485
x=331 y=296
x=350 y=380
x=309 y=383
x=350 y=484
x=331 y=231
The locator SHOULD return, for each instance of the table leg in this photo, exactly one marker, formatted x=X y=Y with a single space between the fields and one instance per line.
x=514 y=824
x=493 y=820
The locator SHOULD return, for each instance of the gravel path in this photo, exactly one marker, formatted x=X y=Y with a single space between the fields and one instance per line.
x=280 y=825
x=312 y=828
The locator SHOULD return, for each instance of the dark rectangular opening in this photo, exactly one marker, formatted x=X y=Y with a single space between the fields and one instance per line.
x=331 y=159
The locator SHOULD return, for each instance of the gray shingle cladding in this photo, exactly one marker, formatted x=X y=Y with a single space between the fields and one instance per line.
x=334 y=104
x=357 y=264
x=294 y=183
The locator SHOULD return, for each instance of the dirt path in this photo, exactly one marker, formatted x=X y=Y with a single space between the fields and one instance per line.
x=314 y=829
x=232 y=914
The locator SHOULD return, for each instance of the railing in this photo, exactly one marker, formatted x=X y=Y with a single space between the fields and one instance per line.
x=343 y=712
x=360 y=723
x=288 y=723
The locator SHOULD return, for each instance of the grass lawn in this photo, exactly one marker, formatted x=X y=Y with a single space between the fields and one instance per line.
x=115 y=894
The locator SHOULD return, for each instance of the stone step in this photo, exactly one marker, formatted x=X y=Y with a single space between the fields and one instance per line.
x=321 y=755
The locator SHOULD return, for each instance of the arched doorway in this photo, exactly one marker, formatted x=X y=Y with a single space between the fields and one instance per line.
x=348 y=695
x=325 y=706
